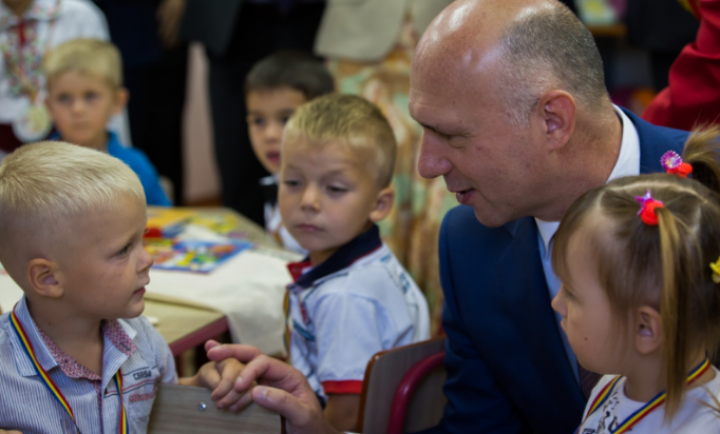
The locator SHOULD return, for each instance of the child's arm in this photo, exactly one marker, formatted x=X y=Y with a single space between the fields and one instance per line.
x=342 y=411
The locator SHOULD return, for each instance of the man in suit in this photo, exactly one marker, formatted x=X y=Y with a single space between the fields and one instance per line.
x=236 y=35
x=517 y=119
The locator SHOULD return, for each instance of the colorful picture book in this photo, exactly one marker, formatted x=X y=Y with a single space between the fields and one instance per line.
x=192 y=256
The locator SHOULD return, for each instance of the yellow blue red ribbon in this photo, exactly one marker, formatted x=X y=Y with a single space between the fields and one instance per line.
x=50 y=384
x=651 y=405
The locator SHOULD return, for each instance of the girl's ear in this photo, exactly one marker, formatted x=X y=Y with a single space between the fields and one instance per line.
x=383 y=204
x=648 y=330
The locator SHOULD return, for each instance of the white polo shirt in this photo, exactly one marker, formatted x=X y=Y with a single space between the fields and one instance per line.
x=342 y=312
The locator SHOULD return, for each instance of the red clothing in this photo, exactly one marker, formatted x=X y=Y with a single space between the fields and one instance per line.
x=693 y=96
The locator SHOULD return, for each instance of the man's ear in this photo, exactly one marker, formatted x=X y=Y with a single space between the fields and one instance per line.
x=647 y=330
x=383 y=204
x=43 y=278
x=122 y=96
x=554 y=117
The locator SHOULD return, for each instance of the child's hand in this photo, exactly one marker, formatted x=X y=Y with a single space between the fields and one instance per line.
x=220 y=377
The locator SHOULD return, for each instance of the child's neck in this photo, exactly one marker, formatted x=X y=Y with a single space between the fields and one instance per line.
x=647 y=379
x=20 y=7
x=79 y=338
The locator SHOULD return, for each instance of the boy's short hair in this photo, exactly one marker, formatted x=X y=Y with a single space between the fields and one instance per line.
x=294 y=69
x=87 y=56
x=352 y=119
x=49 y=182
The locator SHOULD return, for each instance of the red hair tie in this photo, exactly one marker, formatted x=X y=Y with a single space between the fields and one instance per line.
x=673 y=164
x=648 y=205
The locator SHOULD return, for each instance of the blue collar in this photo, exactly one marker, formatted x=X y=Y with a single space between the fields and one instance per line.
x=348 y=254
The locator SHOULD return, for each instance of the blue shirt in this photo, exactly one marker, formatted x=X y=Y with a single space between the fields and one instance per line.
x=143 y=168
x=132 y=346
x=141 y=165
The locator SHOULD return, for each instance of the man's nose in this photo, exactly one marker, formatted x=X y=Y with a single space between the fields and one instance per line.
x=432 y=162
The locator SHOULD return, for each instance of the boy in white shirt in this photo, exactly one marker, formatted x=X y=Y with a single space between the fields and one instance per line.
x=351 y=297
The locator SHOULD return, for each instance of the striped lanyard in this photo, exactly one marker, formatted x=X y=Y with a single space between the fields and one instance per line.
x=52 y=387
x=651 y=405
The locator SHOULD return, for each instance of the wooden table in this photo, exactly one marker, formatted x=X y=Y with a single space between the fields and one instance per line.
x=185 y=327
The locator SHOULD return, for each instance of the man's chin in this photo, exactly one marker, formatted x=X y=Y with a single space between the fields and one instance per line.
x=489 y=219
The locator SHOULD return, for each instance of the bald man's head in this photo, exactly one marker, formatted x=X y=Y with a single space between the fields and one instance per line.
x=525 y=47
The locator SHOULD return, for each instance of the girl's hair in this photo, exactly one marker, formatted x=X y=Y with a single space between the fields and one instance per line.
x=665 y=266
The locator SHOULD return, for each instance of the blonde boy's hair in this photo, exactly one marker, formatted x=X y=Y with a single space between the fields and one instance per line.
x=351 y=119
x=50 y=182
x=87 y=56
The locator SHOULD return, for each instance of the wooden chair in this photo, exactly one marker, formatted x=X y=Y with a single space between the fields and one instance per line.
x=402 y=389
x=189 y=410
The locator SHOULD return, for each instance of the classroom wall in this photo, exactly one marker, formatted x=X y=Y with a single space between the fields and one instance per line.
x=201 y=174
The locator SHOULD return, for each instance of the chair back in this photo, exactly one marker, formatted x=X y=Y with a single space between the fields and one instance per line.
x=424 y=399
x=189 y=410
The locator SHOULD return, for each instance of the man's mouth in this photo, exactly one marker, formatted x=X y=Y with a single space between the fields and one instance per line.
x=464 y=196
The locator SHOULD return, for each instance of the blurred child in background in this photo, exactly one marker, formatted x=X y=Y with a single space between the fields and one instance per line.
x=274 y=88
x=84 y=82
x=29 y=30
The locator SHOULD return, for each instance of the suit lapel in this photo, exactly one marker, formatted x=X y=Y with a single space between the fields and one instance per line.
x=527 y=302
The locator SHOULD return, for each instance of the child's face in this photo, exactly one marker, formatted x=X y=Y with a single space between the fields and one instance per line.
x=104 y=267
x=328 y=196
x=81 y=106
x=586 y=313
x=268 y=112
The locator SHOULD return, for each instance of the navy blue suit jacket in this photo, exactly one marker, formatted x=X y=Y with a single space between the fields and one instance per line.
x=508 y=371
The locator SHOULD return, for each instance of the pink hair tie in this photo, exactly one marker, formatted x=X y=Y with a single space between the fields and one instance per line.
x=648 y=205
x=673 y=164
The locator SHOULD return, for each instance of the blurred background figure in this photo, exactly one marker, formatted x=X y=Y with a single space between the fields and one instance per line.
x=28 y=30
x=237 y=34
x=663 y=28
x=155 y=70
x=693 y=95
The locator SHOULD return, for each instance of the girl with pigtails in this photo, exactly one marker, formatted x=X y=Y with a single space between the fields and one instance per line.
x=639 y=259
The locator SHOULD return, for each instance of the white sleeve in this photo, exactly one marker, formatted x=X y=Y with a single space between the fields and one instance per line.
x=86 y=19
x=349 y=330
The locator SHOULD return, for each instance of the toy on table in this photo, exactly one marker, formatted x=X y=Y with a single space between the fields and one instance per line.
x=190 y=255
x=193 y=240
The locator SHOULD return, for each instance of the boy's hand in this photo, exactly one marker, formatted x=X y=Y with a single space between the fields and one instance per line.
x=220 y=377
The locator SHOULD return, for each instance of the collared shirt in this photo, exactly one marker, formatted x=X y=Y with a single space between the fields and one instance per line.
x=74 y=19
x=132 y=346
x=273 y=220
x=358 y=302
x=627 y=164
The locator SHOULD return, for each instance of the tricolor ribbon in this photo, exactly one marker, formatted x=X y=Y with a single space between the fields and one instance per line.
x=50 y=384
x=651 y=405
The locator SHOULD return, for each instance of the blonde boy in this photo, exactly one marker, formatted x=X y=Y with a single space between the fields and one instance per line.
x=351 y=297
x=71 y=224
x=84 y=84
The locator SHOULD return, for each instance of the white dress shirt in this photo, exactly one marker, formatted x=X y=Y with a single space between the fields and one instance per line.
x=627 y=164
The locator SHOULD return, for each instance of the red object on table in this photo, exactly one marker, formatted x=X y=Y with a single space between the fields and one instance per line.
x=693 y=95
